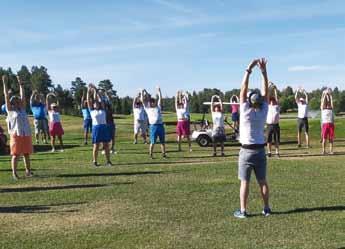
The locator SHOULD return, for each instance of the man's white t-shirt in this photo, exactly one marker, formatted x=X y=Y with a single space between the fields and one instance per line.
x=218 y=120
x=302 y=110
x=139 y=114
x=154 y=115
x=273 y=114
x=252 y=124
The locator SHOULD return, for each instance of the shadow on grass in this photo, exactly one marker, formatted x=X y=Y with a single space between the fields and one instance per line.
x=112 y=174
x=38 y=208
x=47 y=147
x=306 y=210
x=311 y=155
x=63 y=187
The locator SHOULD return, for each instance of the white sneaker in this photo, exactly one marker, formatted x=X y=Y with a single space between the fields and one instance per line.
x=62 y=150
x=103 y=152
x=53 y=150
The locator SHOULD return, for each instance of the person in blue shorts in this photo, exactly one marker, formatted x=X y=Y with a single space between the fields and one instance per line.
x=100 y=131
x=153 y=108
x=39 y=111
x=87 y=120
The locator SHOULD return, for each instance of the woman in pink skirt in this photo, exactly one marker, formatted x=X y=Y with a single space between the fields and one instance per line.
x=183 y=118
x=55 y=127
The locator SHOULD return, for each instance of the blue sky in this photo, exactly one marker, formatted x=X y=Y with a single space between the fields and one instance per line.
x=177 y=44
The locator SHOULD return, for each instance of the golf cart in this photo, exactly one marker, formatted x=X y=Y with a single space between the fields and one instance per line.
x=202 y=133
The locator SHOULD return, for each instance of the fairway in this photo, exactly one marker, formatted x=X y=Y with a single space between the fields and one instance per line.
x=184 y=201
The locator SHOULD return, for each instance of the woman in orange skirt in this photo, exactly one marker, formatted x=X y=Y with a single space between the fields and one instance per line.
x=18 y=128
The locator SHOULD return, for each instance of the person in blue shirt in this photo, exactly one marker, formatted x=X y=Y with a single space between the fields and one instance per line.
x=87 y=120
x=39 y=111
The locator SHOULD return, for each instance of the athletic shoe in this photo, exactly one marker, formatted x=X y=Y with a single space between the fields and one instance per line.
x=223 y=155
x=103 y=152
x=37 y=142
x=277 y=155
x=266 y=212
x=109 y=164
x=135 y=142
x=95 y=164
x=45 y=142
x=53 y=150
x=331 y=153
x=15 y=176
x=145 y=142
x=269 y=154
x=29 y=174
x=151 y=156
x=214 y=154
x=299 y=145
x=240 y=215
x=164 y=155
x=62 y=150
x=85 y=143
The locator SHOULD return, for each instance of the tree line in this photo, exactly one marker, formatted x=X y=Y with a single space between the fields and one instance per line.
x=37 y=78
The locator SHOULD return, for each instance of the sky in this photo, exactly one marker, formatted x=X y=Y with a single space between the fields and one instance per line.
x=187 y=45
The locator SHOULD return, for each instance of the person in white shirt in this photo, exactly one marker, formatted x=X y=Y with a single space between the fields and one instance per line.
x=218 y=130
x=18 y=128
x=183 y=119
x=253 y=109
x=100 y=130
x=327 y=117
x=153 y=108
x=272 y=121
x=140 y=124
x=55 y=126
x=302 y=118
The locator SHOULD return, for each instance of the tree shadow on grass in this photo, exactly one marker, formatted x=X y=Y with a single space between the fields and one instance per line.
x=63 y=187
x=38 y=208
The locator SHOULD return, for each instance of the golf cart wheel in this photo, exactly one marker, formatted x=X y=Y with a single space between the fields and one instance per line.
x=203 y=140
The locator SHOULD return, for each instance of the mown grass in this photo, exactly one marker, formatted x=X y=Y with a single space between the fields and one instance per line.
x=185 y=201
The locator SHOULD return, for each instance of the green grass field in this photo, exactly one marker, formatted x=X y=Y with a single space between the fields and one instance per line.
x=186 y=201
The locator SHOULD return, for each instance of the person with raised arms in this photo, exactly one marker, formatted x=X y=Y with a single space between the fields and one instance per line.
x=235 y=115
x=153 y=108
x=302 y=118
x=110 y=120
x=18 y=128
x=38 y=109
x=140 y=124
x=100 y=131
x=327 y=117
x=87 y=120
x=55 y=126
x=272 y=121
x=252 y=156
x=183 y=119
x=218 y=129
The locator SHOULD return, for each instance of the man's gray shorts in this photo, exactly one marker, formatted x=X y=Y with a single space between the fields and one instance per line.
x=252 y=159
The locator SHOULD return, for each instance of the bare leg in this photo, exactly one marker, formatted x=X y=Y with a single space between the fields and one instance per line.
x=27 y=164
x=331 y=147
x=107 y=151
x=151 y=150
x=179 y=143
x=299 y=138
x=189 y=143
x=163 y=149
x=307 y=139
x=244 y=193
x=323 y=146
x=14 y=163
x=264 y=192
x=269 y=148
x=95 y=152
x=61 y=142
x=52 y=142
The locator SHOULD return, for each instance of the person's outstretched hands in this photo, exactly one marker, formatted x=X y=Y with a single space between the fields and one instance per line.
x=262 y=64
